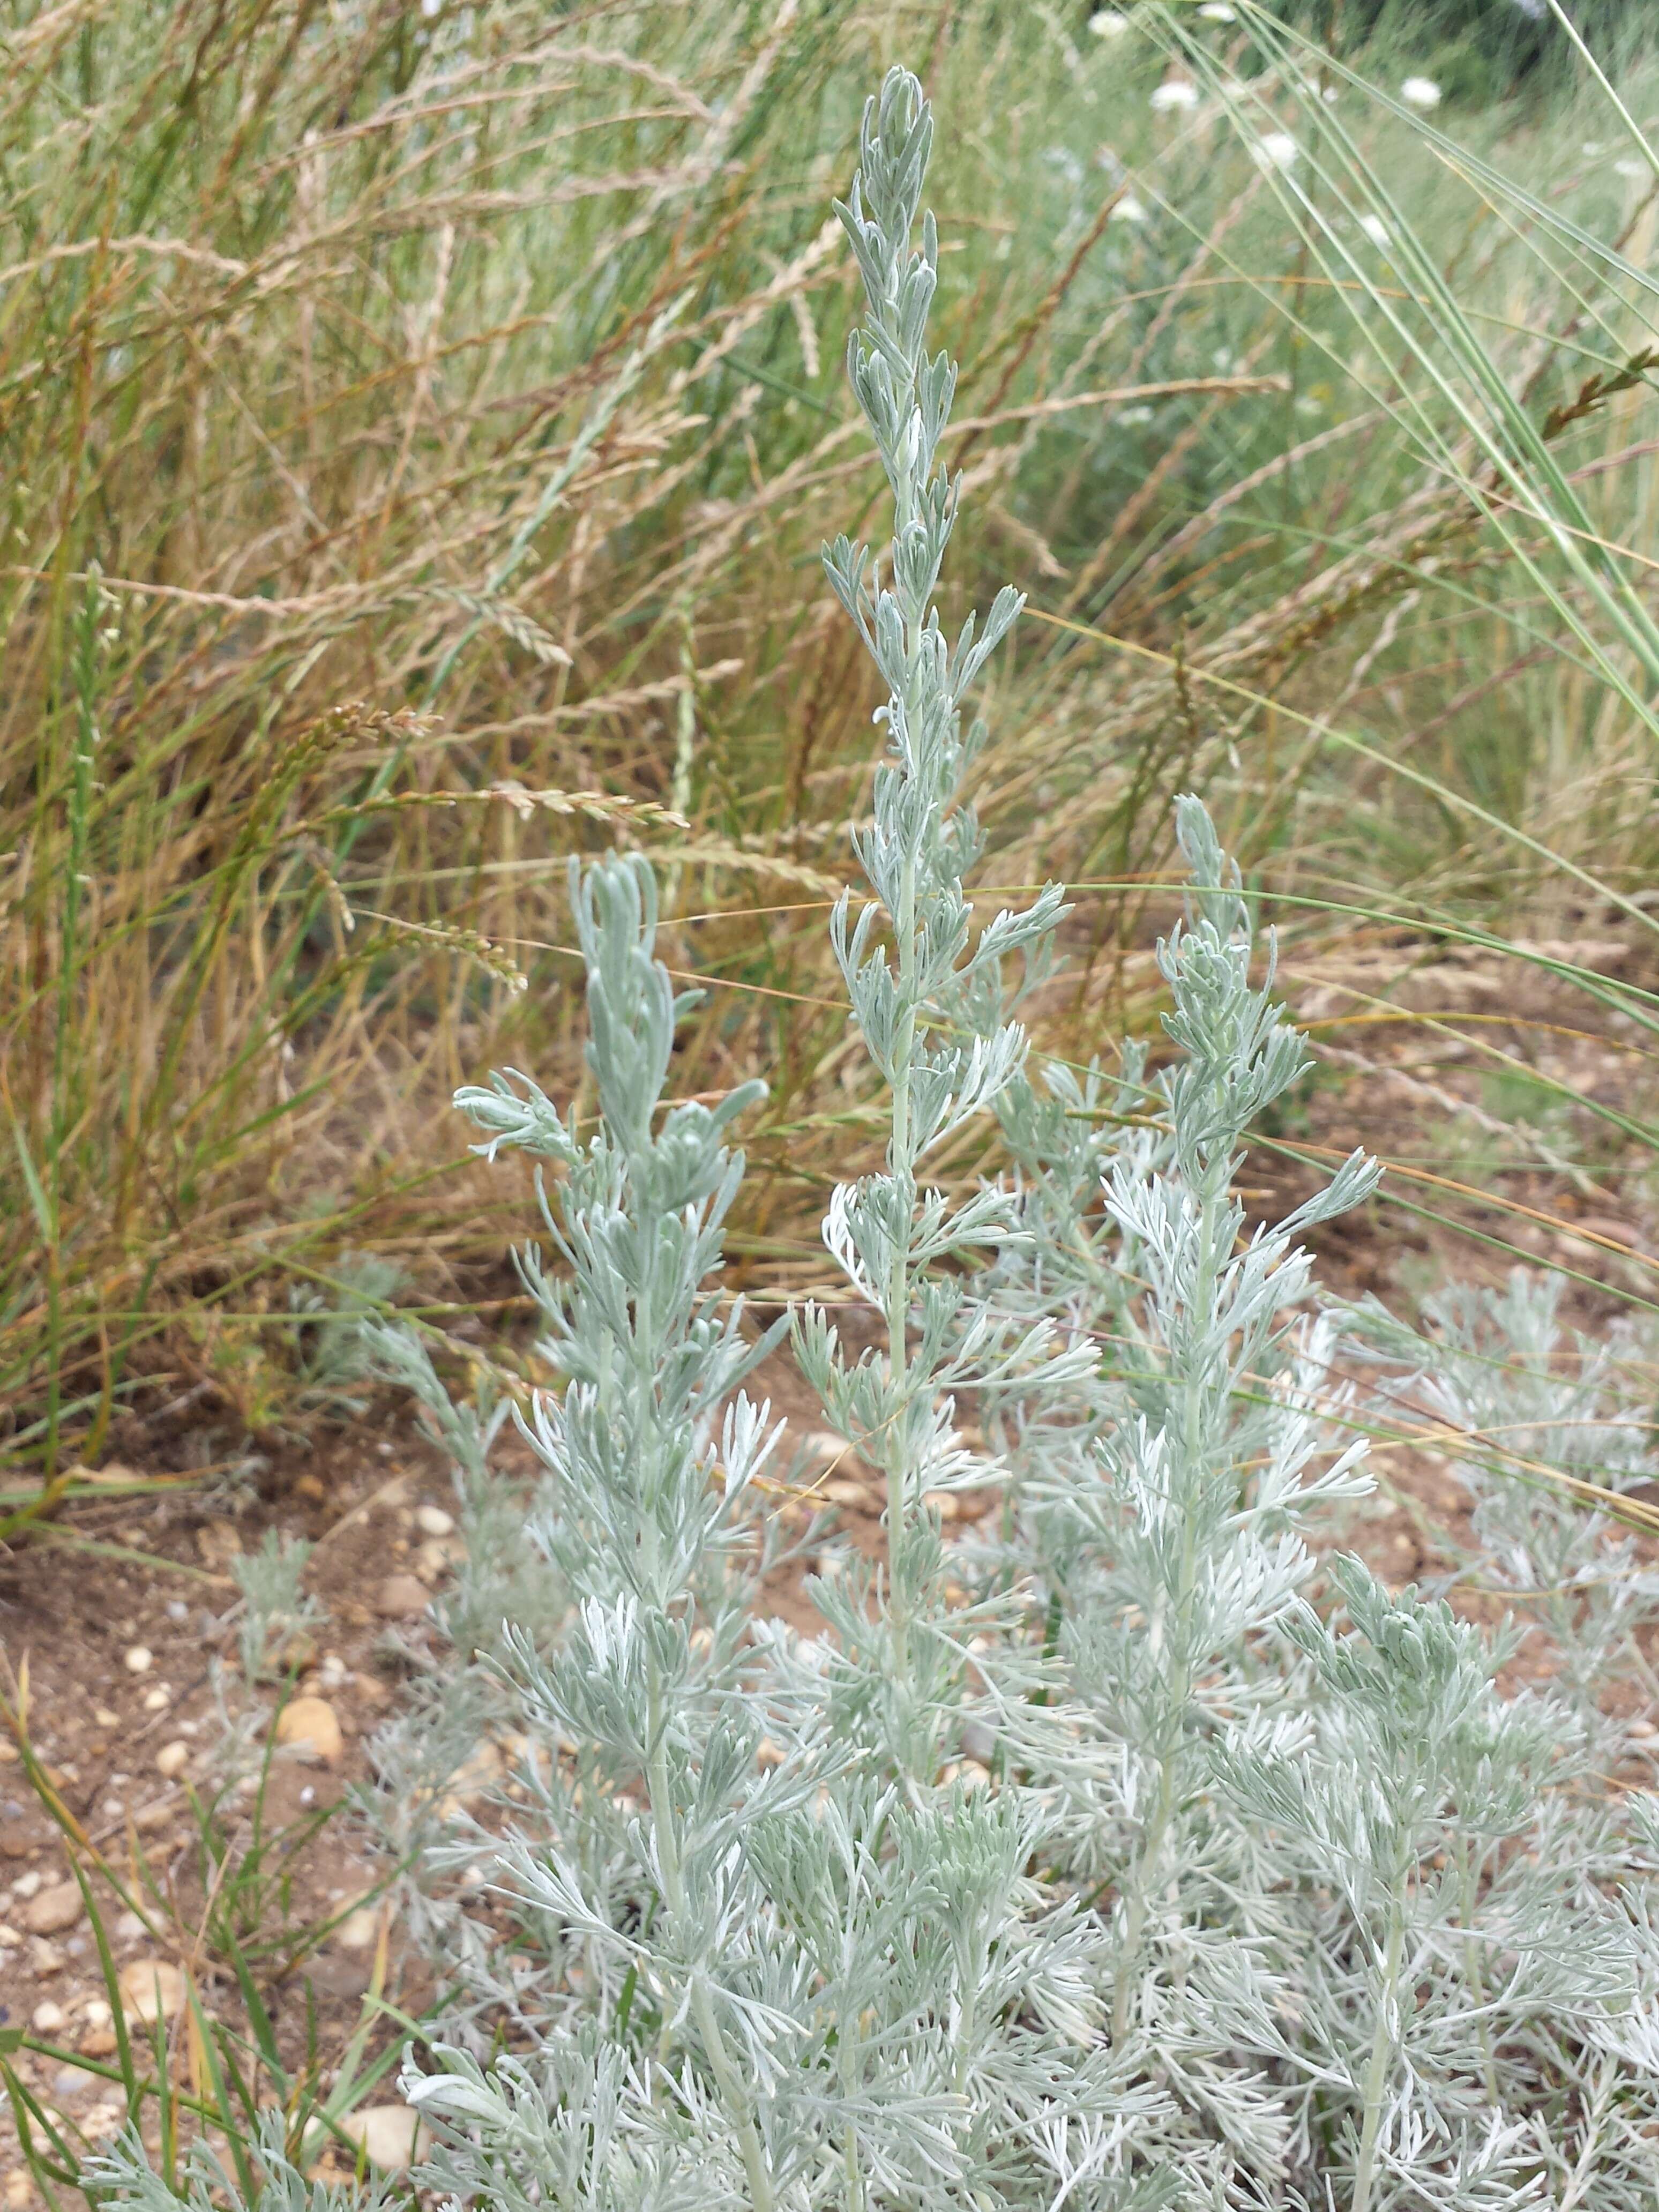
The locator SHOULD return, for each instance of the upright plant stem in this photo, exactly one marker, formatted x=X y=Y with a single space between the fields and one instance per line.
x=1382 y=2044
x=1178 y=1626
x=898 y=1285
x=664 y=1817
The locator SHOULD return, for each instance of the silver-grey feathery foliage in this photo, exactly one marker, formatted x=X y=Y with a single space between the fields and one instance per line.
x=274 y=1606
x=1120 y=1855
x=122 y=2174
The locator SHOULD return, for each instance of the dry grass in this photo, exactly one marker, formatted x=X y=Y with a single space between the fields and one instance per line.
x=417 y=434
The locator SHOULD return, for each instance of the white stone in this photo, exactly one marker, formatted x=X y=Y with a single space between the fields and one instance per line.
x=55 y=1909
x=359 y=1928
x=150 y=1988
x=392 y=2134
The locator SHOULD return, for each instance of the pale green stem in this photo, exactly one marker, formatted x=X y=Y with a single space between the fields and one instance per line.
x=848 y=2043
x=726 y=2077
x=965 y=2023
x=1382 y=2051
x=898 y=1280
x=1466 y=1885
x=1157 y=1828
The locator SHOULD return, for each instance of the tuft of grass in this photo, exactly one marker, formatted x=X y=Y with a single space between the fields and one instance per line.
x=214 y=2069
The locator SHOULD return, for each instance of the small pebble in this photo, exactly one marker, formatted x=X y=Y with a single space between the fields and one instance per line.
x=400 y=1597
x=359 y=1928
x=47 y=2019
x=20 y=2193
x=177 y=1610
x=173 y=1758
x=139 y=1659
x=149 y=1986
x=26 y=1884
x=158 y=1700
x=392 y=2134
x=129 y=1928
x=104 y=1718
x=309 y=1725
x=433 y=1520
x=54 y=1909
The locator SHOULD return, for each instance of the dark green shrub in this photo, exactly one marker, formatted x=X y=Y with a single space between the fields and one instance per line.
x=1479 y=48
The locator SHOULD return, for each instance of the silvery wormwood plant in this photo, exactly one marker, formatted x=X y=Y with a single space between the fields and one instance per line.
x=1118 y=1857
x=834 y=1976
x=1380 y=1931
